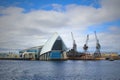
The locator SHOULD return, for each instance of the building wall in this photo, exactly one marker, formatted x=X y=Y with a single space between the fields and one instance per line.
x=30 y=53
x=56 y=54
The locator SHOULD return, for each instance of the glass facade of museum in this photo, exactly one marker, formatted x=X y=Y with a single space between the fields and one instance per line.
x=53 y=49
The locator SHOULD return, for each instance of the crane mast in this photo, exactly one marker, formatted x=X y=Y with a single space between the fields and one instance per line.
x=98 y=47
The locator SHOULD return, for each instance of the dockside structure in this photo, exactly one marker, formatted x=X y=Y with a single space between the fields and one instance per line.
x=53 y=49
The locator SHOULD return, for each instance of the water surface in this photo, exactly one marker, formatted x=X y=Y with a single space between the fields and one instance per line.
x=59 y=70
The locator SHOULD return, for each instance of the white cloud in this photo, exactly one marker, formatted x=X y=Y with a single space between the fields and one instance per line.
x=21 y=30
x=10 y=10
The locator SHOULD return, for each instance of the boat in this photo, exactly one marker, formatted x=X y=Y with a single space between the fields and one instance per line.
x=111 y=59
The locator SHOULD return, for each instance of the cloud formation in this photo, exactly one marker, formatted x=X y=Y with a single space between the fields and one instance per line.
x=20 y=29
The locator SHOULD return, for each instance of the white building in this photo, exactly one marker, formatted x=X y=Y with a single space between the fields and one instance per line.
x=32 y=52
x=53 y=49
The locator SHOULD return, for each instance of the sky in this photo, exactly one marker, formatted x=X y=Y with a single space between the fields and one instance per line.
x=29 y=23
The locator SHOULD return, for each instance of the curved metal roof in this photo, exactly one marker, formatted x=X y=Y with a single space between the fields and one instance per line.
x=49 y=44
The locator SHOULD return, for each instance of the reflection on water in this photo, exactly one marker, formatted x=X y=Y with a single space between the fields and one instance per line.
x=59 y=70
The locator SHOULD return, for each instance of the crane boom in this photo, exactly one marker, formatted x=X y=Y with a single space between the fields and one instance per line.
x=74 y=44
x=98 y=46
x=73 y=39
x=72 y=36
x=87 y=39
x=97 y=41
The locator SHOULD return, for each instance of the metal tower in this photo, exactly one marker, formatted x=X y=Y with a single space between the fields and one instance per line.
x=98 y=47
x=85 y=47
x=74 y=44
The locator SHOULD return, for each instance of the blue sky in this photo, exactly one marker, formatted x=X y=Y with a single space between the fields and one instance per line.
x=46 y=4
x=37 y=3
x=30 y=23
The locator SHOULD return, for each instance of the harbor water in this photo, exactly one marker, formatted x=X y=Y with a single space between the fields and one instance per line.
x=59 y=70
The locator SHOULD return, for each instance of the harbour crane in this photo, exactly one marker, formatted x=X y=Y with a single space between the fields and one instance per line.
x=98 y=47
x=74 y=44
x=85 y=47
x=73 y=53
